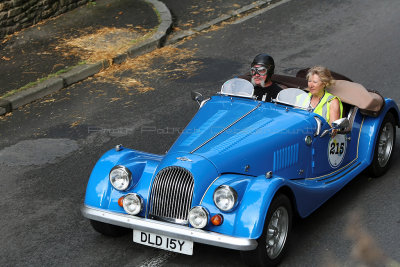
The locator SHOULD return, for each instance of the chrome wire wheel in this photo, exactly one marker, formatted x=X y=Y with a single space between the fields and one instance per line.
x=385 y=144
x=277 y=232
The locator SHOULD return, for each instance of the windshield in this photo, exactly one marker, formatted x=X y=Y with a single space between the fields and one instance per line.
x=238 y=87
x=294 y=97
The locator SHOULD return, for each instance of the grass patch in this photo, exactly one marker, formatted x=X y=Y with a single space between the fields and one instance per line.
x=32 y=84
x=91 y=3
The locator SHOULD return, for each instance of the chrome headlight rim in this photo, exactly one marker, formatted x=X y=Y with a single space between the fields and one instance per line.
x=205 y=217
x=232 y=198
x=125 y=171
x=135 y=198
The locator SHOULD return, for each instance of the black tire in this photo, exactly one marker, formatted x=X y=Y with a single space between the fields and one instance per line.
x=108 y=229
x=384 y=147
x=262 y=256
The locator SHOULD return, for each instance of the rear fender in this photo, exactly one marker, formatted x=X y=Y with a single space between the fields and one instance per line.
x=370 y=130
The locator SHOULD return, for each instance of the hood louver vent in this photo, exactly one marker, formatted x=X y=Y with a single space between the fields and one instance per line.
x=286 y=157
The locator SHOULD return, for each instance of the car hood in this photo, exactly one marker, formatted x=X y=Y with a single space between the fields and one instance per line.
x=246 y=136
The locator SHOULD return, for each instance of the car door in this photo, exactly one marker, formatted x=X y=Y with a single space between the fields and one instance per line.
x=331 y=154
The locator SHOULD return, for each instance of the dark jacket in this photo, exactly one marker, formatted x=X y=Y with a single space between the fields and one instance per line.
x=269 y=92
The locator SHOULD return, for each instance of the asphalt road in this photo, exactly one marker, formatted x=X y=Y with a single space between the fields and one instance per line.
x=48 y=148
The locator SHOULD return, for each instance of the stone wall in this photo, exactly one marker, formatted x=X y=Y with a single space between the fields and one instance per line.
x=18 y=14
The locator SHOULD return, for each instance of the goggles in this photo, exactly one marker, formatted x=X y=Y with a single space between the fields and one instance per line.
x=262 y=71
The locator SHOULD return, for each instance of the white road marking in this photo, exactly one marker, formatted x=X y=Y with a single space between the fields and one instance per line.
x=159 y=260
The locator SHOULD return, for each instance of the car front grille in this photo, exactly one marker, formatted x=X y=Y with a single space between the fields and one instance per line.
x=171 y=195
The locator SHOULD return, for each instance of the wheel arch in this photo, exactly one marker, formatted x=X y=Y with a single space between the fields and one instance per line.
x=287 y=191
x=396 y=116
x=370 y=130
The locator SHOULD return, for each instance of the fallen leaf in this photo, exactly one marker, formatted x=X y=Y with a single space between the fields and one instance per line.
x=49 y=100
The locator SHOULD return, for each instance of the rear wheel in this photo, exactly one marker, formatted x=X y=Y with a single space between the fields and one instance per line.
x=108 y=229
x=272 y=243
x=384 y=147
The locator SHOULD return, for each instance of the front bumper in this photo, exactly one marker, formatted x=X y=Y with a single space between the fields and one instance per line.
x=169 y=229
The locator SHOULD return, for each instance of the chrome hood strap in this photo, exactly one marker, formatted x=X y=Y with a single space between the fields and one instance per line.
x=226 y=128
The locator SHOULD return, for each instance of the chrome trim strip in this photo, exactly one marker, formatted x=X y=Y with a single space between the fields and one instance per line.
x=201 y=201
x=226 y=128
x=344 y=174
x=331 y=175
x=319 y=126
x=171 y=220
x=172 y=230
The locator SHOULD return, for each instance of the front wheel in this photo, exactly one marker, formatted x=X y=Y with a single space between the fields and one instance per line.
x=272 y=243
x=384 y=147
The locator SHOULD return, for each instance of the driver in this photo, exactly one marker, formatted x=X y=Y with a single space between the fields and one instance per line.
x=261 y=71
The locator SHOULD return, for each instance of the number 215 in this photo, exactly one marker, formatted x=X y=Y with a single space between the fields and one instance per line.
x=337 y=148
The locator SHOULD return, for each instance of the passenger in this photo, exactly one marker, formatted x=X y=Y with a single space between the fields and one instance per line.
x=261 y=71
x=323 y=103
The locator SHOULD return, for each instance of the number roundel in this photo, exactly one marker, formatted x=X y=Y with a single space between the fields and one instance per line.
x=337 y=150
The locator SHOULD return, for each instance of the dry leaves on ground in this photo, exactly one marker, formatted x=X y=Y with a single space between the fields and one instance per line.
x=105 y=43
x=167 y=62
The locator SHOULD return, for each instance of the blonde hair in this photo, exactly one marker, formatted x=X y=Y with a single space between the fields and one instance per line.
x=323 y=73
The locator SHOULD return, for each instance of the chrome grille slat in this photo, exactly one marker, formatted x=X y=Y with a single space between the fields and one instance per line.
x=155 y=193
x=186 y=188
x=182 y=200
x=170 y=202
x=174 y=201
x=180 y=209
x=158 y=194
x=164 y=184
x=171 y=194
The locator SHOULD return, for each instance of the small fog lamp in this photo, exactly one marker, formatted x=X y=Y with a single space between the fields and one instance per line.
x=132 y=204
x=198 y=217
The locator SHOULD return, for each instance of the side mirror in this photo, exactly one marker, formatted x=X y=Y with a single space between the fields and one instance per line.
x=196 y=96
x=339 y=124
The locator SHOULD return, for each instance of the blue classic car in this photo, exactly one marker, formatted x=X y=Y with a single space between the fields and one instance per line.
x=241 y=170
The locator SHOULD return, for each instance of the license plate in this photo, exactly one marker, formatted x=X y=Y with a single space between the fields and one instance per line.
x=163 y=242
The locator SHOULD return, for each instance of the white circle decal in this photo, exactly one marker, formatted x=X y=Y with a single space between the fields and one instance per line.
x=337 y=150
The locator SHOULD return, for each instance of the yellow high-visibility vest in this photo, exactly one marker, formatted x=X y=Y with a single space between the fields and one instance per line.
x=323 y=107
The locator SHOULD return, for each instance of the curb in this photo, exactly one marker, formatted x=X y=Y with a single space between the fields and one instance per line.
x=82 y=72
x=182 y=35
x=158 y=39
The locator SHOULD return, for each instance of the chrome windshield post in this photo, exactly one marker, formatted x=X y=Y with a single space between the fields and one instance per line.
x=319 y=126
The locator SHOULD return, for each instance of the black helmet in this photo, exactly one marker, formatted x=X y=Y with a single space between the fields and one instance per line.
x=266 y=61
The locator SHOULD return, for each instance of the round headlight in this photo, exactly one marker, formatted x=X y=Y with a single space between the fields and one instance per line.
x=198 y=217
x=120 y=177
x=132 y=203
x=225 y=197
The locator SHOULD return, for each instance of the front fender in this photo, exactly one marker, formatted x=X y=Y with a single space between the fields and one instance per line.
x=254 y=197
x=99 y=191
